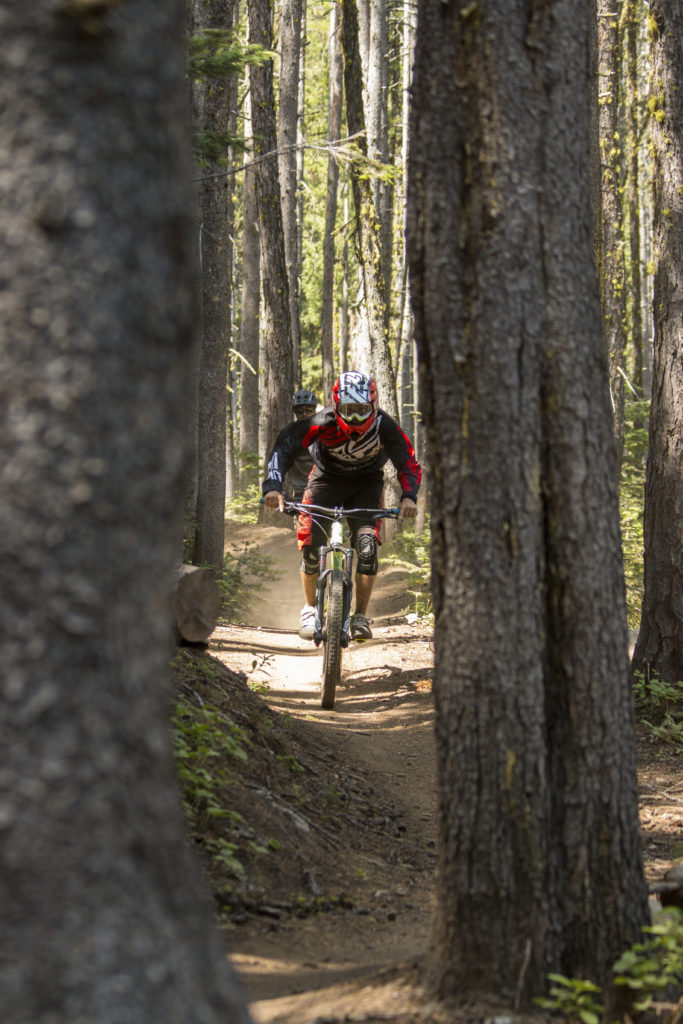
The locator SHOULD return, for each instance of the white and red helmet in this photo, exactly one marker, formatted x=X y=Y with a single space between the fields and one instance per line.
x=355 y=401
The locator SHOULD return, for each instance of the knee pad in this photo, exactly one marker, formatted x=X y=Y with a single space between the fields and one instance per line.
x=366 y=550
x=309 y=560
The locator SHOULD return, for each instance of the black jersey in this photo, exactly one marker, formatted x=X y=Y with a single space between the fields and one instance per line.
x=337 y=453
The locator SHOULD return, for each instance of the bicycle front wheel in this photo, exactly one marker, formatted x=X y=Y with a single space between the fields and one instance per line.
x=332 y=650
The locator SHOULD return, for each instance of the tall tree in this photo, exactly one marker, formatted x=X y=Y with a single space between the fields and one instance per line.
x=367 y=232
x=213 y=94
x=290 y=27
x=611 y=265
x=249 y=324
x=279 y=367
x=660 y=642
x=378 y=129
x=100 y=918
x=539 y=850
x=334 y=122
x=630 y=33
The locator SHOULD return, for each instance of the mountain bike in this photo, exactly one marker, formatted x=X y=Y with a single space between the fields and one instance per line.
x=334 y=588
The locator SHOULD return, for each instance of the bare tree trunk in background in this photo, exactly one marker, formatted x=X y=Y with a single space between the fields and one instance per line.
x=366 y=224
x=660 y=642
x=300 y=155
x=540 y=863
x=378 y=130
x=333 y=135
x=611 y=265
x=279 y=369
x=364 y=20
x=405 y=348
x=289 y=25
x=344 y=341
x=631 y=26
x=213 y=103
x=101 y=917
x=249 y=334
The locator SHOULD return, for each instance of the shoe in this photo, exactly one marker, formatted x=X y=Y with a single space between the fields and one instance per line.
x=360 y=628
x=307 y=622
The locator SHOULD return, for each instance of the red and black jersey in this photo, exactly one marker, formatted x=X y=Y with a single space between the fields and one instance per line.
x=338 y=454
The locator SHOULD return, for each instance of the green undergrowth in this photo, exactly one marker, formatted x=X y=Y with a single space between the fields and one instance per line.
x=245 y=793
x=659 y=707
x=244 y=573
x=647 y=973
x=206 y=743
x=411 y=550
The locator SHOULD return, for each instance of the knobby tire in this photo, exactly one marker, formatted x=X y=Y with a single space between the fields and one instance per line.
x=332 y=650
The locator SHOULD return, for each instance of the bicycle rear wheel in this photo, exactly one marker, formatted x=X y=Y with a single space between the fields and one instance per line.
x=332 y=650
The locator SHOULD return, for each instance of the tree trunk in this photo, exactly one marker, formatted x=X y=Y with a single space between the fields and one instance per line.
x=369 y=252
x=631 y=23
x=611 y=266
x=660 y=642
x=290 y=21
x=539 y=850
x=275 y=316
x=333 y=134
x=249 y=330
x=213 y=101
x=101 y=915
x=378 y=130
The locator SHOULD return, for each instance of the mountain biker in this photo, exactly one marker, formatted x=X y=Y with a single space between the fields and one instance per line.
x=304 y=404
x=350 y=442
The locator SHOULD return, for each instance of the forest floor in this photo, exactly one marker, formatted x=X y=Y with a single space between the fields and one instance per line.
x=328 y=919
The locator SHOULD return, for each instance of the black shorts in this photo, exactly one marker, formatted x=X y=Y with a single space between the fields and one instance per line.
x=354 y=491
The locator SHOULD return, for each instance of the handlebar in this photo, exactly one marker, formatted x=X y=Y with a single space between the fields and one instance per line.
x=293 y=508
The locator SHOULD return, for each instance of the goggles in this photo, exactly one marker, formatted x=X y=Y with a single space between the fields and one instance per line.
x=354 y=412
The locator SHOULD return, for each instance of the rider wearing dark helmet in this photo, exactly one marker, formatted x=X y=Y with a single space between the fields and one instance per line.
x=304 y=404
x=350 y=442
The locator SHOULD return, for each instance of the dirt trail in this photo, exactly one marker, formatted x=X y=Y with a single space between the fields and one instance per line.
x=298 y=969
x=357 y=962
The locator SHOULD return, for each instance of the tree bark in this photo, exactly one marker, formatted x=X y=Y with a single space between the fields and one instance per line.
x=101 y=917
x=611 y=264
x=333 y=134
x=275 y=315
x=539 y=850
x=660 y=642
x=631 y=22
x=213 y=102
x=249 y=329
x=369 y=252
x=290 y=23
x=378 y=130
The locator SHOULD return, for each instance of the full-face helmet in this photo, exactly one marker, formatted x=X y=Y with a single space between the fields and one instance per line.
x=355 y=401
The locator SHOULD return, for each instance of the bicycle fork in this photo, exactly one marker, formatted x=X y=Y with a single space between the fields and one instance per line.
x=341 y=558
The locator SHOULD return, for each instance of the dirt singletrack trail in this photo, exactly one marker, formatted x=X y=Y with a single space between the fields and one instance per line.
x=355 y=960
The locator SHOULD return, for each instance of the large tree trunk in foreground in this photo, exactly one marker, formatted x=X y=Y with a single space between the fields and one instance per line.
x=539 y=857
x=100 y=914
x=660 y=642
